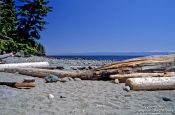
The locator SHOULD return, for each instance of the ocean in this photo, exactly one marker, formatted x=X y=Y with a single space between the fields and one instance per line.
x=113 y=58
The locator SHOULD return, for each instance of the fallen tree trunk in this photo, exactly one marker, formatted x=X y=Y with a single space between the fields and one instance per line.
x=85 y=75
x=123 y=77
x=23 y=65
x=151 y=83
x=6 y=55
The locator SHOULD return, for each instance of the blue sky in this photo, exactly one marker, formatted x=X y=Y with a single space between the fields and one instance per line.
x=77 y=26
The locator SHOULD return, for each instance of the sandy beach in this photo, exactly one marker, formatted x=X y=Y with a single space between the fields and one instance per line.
x=83 y=97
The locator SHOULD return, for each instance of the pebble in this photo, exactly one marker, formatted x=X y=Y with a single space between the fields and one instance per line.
x=62 y=96
x=90 y=67
x=166 y=99
x=81 y=68
x=60 y=67
x=77 y=79
x=127 y=88
x=51 y=96
x=116 y=81
x=19 y=54
x=73 y=68
x=70 y=79
x=65 y=79
x=28 y=80
x=51 y=78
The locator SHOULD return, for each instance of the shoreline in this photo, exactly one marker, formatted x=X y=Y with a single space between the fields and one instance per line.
x=66 y=63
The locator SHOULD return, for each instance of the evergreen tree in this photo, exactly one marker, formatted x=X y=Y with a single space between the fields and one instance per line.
x=31 y=19
x=7 y=18
x=7 y=26
x=21 y=30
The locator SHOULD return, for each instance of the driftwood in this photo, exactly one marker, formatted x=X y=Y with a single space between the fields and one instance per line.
x=139 y=67
x=151 y=83
x=135 y=63
x=24 y=65
x=6 y=55
x=123 y=77
x=147 y=64
x=85 y=75
x=18 y=84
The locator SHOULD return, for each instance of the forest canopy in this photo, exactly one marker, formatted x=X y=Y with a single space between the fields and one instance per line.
x=21 y=24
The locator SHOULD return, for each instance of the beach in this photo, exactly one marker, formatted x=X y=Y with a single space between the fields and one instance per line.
x=81 y=97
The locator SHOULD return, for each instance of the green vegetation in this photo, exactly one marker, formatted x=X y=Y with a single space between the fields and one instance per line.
x=20 y=26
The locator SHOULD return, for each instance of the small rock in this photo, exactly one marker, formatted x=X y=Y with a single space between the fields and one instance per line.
x=127 y=88
x=28 y=80
x=62 y=96
x=20 y=54
x=81 y=68
x=116 y=81
x=51 y=78
x=65 y=79
x=51 y=96
x=77 y=79
x=70 y=79
x=73 y=68
x=60 y=67
x=90 y=67
x=166 y=99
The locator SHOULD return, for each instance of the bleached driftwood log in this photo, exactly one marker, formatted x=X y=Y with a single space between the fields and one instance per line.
x=151 y=83
x=85 y=75
x=123 y=77
x=24 y=65
x=6 y=55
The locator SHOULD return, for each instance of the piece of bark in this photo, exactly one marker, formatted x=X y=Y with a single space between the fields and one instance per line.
x=123 y=77
x=151 y=83
x=24 y=84
x=17 y=84
x=6 y=55
x=85 y=75
x=24 y=65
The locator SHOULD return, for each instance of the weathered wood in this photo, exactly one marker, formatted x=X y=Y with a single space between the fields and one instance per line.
x=24 y=65
x=151 y=83
x=123 y=77
x=18 y=84
x=136 y=63
x=85 y=75
x=6 y=55
x=24 y=84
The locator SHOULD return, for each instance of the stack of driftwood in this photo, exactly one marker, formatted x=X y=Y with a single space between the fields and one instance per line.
x=145 y=73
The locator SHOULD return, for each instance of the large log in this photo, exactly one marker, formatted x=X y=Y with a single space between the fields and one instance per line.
x=24 y=65
x=123 y=77
x=6 y=55
x=85 y=75
x=151 y=83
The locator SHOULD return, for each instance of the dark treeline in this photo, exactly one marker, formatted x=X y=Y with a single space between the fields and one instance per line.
x=20 y=25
